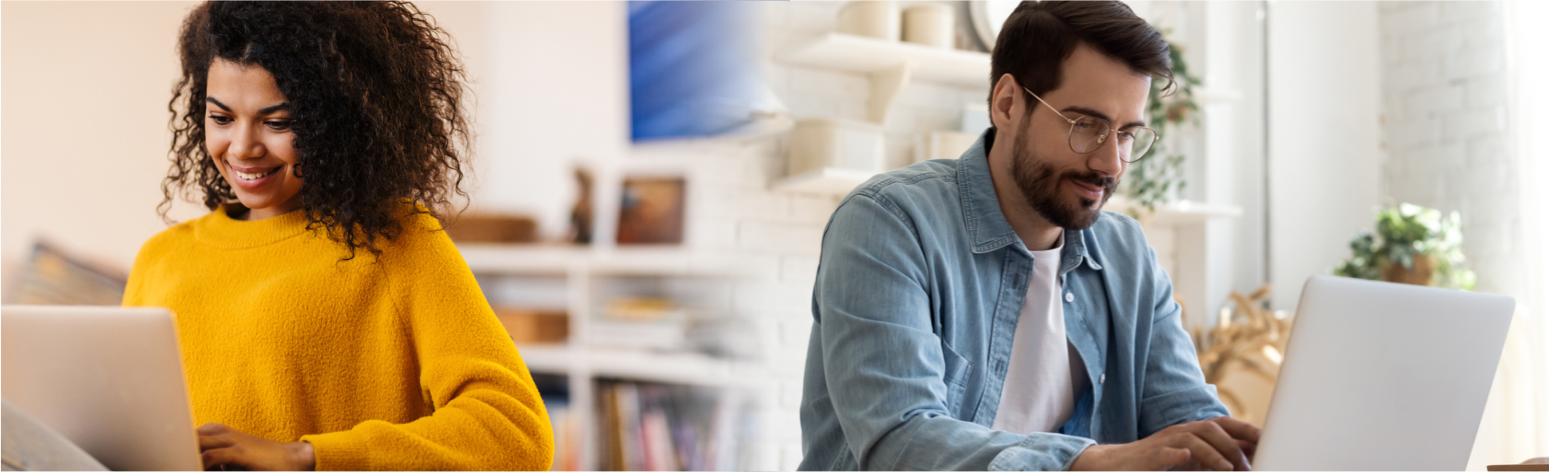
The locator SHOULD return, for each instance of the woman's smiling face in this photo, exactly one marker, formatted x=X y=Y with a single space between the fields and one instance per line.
x=248 y=134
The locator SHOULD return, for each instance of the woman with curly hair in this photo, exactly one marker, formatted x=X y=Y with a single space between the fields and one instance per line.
x=325 y=319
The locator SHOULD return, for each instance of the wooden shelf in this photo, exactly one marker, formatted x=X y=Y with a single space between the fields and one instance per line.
x=867 y=55
x=680 y=368
x=827 y=181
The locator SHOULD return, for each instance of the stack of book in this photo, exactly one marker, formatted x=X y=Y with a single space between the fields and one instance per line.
x=660 y=427
x=647 y=323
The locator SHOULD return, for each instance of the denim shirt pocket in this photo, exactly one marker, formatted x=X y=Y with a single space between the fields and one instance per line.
x=956 y=374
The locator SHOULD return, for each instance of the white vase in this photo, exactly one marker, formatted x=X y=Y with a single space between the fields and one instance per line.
x=930 y=24
x=819 y=143
x=880 y=20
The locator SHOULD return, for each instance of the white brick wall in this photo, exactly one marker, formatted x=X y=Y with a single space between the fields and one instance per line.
x=1446 y=125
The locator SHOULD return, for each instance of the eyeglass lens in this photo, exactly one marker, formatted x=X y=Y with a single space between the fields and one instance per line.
x=1142 y=139
x=1088 y=133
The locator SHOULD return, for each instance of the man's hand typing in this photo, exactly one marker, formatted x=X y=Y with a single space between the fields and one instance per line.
x=1221 y=443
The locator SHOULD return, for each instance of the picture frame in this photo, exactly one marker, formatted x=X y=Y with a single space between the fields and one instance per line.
x=651 y=211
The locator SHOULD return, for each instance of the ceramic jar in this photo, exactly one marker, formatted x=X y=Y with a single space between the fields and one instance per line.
x=873 y=19
x=930 y=24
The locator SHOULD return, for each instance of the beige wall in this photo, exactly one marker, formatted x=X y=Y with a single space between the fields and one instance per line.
x=85 y=139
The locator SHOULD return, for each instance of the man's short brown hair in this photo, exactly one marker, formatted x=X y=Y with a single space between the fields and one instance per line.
x=1038 y=36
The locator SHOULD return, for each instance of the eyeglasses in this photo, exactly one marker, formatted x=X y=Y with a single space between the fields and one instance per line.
x=1088 y=133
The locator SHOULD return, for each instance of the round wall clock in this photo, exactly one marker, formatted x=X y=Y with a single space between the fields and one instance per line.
x=988 y=16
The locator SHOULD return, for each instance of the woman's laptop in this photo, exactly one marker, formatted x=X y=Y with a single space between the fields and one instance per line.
x=108 y=379
x=1383 y=376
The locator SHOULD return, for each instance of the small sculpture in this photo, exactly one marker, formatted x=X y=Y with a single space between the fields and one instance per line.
x=582 y=211
x=1243 y=353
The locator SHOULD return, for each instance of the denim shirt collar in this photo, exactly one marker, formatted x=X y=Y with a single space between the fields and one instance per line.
x=989 y=229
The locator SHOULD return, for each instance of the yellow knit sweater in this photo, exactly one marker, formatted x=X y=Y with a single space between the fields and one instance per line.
x=394 y=362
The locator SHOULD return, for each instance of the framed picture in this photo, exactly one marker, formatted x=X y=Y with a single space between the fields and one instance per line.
x=651 y=211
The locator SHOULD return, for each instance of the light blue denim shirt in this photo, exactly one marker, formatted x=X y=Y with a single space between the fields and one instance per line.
x=920 y=284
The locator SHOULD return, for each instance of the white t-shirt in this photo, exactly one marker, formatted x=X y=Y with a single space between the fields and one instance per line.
x=1038 y=393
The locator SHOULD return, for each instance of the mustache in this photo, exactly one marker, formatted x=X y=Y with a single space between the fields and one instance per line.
x=1093 y=178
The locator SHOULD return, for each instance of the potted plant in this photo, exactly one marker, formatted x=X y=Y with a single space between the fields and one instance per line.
x=1414 y=245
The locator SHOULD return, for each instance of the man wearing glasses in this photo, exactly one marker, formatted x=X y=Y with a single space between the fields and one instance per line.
x=983 y=313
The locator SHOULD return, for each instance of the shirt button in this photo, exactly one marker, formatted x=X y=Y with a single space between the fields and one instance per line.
x=1069 y=297
x=1101 y=378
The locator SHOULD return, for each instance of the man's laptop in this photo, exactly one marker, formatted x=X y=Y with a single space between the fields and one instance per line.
x=108 y=379
x=1382 y=376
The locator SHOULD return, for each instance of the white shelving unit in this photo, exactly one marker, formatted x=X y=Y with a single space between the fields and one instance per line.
x=668 y=261
x=890 y=67
x=582 y=269
x=682 y=368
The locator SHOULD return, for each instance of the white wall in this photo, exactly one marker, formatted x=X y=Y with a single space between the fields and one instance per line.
x=1325 y=157
x=1235 y=121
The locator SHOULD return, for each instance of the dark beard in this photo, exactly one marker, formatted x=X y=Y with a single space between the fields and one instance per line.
x=1042 y=188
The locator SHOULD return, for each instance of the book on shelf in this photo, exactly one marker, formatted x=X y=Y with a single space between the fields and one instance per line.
x=622 y=428
x=626 y=308
x=670 y=427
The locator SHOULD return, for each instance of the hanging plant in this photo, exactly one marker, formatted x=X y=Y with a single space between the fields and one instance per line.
x=1158 y=177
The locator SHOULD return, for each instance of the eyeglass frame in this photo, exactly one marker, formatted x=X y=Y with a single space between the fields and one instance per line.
x=1073 y=124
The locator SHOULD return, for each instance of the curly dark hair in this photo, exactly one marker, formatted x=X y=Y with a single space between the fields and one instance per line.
x=374 y=89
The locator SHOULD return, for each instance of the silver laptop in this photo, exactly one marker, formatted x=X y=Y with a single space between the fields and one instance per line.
x=1382 y=376
x=108 y=379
